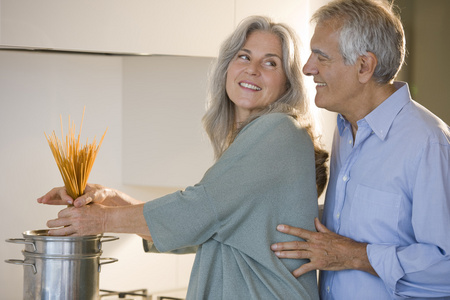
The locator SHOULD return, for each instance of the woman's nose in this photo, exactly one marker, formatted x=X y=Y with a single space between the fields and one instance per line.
x=252 y=69
x=309 y=68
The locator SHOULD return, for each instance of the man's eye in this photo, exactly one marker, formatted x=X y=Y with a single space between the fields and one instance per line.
x=244 y=56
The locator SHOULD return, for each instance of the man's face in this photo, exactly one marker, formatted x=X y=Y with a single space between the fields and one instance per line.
x=337 y=85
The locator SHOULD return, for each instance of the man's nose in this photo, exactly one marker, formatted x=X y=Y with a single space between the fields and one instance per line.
x=309 y=68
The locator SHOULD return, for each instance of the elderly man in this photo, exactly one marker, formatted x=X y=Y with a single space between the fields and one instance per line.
x=386 y=222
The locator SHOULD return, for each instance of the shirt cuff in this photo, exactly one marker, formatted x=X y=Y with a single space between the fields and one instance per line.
x=384 y=260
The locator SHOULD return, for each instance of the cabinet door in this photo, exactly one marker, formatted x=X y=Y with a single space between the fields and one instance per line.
x=295 y=13
x=174 y=27
x=164 y=143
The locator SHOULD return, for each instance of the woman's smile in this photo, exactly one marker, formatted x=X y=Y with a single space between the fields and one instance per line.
x=255 y=77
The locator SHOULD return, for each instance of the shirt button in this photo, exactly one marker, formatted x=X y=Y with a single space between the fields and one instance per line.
x=328 y=289
x=345 y=178
x=338 y=215
x=350 y=142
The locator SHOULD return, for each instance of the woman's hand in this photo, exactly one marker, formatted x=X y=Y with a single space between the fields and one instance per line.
x=57 y=196
x=98 y=210
x=93 y=193
x=96 y=193
x=86 y=220
x=96 y=218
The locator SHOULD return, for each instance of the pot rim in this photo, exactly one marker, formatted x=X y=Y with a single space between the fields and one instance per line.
x=42 y=234
x=61 y=256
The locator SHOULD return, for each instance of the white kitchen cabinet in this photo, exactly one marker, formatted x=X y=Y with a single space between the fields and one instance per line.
x=295 y=13
x=163 y=94
x=164 y=143
x=170 y=27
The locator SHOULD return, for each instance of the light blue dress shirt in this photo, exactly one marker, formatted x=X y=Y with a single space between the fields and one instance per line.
x=390 y=188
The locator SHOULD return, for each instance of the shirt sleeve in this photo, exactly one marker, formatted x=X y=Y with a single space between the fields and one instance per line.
x=422 y=269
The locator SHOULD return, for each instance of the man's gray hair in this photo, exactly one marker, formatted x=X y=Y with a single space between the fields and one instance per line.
x=367 y=26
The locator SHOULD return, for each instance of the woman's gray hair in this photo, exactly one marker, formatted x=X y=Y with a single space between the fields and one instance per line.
x=367 y=26
x=219 y=120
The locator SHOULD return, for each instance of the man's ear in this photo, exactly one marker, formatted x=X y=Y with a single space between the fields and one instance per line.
x=367 y=64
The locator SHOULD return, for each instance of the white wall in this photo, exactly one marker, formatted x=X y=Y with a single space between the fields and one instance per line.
x=35 y=88
x=175 y=151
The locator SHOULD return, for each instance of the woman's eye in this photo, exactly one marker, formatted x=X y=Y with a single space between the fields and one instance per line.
x=244 y=57
x=270 y=63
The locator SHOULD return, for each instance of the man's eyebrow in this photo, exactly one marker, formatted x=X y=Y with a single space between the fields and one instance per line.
x=319 y=52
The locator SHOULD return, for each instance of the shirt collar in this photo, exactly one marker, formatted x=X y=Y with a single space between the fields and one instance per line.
x=342 y=123
x=382 y=117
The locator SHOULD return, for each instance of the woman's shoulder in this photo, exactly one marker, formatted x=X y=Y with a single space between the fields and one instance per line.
x=277 y=126
x=273 y=119
x=275 y=122
x=276 y=117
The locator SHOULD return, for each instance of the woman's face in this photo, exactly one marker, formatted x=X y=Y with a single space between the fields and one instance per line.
x=255 y=76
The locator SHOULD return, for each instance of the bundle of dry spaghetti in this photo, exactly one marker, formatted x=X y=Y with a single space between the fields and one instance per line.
x=74 y=160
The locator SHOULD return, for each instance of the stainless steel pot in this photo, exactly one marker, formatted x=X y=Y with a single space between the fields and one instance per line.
x=38 y=241
x=61 y=268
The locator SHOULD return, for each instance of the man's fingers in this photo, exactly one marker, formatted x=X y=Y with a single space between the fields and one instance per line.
x=319 y=226
x=295 y=231
x=293 y=254
x=304 y=269
x=294 y=245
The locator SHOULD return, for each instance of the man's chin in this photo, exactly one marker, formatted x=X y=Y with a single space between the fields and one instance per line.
x=320 y=103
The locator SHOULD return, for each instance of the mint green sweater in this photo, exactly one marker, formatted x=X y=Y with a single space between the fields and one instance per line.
x=265 y=178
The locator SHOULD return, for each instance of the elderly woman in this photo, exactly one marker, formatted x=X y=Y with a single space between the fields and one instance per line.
x=267 y=159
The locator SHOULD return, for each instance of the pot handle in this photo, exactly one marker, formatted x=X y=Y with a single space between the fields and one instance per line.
x=22 y=241
x=109 y=238
x=111 y=260
x=21 y=262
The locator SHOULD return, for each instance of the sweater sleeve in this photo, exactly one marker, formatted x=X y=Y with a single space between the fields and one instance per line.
x=150 y=247
x=270 y=163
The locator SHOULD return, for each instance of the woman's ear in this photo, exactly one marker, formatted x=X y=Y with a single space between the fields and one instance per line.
x=367 y=65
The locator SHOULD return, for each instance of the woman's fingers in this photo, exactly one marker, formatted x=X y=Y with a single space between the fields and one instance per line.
x=57 y=196
x=63 y=231
x=85 y=220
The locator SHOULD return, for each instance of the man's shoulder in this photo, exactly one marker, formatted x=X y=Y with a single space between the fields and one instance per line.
x=426 y=125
